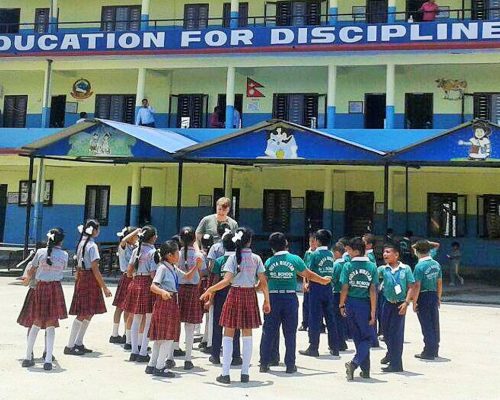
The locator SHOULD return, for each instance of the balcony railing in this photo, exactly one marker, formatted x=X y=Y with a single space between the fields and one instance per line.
x=250 y=21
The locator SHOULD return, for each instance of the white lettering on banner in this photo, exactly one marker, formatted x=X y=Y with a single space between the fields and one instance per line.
x=415 y=33
x=244 y=36
x=70 y=41
x=282 y=36
x=442 y=31
x=216 y=38
x=154 y=38
x=43 y=45
x=92 y=39
x=392 y=31
x=5 y=43
x=129 y=40
x=323 y=35
x=491 y=30
x=459 y=31
x=302 y=35
x=372 y=34
x=18 y=43
x=190 y=37
x=344 y=34
x=110 y=40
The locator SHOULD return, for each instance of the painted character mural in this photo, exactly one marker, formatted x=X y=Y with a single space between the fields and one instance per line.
x=480 y=144
x=281 y=145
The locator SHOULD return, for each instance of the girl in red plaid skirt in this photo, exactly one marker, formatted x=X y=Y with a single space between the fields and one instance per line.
x=139 y=300
x=240 y=311
x=189 y=295
x=166 y=326
x=89 y=287
x=128 y=241
x=48 y=305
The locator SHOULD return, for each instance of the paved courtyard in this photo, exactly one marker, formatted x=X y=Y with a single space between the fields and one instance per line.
x=468 y=369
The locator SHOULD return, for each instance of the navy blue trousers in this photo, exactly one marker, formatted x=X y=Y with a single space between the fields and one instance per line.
x=305 y=310
x=358 y=318
x=380 y=307
x=321 y=304
x=394 y=333
x=219 y=300
x=284 y=312
x=340 y=322
x=428 y=315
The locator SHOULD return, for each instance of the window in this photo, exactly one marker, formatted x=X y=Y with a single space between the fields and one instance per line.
x=235 y=203
x=487 y=106
x=9 y=20
x=191 y=110
x=301 y=109
x=277 y=206
x=121 y=18
x=42 y=19
x=418 y=111
x=243 y=15
x=488 y=216
x=97 y=203
x=298 y=13
x=115 y=107
x=14 y=111
x=486 y=9
x=446 y=214
x=195 y=16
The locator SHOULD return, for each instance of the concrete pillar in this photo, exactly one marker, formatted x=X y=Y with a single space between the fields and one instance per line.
x=331 y=97
x=235 y=13
x=391 y=9
x=333 y=9
x=231 y=74
x=228 y=192
x=328 y=199
x=136 y=195
x=141 y=89
x=54 y=16
x=390 y=96
x=145 y=15
x=46 y=95
x=38 y=204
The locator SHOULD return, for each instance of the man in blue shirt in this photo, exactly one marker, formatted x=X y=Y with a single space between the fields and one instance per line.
x=145 y=115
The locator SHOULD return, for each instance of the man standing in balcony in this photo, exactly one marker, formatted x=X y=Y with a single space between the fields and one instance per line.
x=429 y=11
x=145 y=115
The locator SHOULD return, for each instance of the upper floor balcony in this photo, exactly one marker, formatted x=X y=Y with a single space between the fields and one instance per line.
x=182 y=27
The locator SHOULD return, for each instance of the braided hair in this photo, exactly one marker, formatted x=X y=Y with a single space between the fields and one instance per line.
x=242 y=239
x=54 y=238
x=169 y=247
x=86 y=230
x=146 y=234
x=187 y=237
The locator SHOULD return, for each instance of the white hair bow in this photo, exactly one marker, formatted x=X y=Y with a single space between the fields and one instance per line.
x=141 y=234
x=237 y=236
x=88 y=231
x=51 y=236
x=80 y=228
x=206 y=236
x=122 y=232
x=226 y=231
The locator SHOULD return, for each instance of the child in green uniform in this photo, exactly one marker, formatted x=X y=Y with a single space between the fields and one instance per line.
x=358 y=302
x=338 y=265
x=305 y=285
x=370 y=240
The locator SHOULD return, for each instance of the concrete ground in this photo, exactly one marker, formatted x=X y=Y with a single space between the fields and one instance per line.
x=468 y=369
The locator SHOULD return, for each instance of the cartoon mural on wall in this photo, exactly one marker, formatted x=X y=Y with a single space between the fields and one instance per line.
x=479 y=144
x=281 y=145
x=101 y=141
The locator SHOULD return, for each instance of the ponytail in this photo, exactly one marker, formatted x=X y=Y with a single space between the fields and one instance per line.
x=86 y=230
x=241 y=239
x=187 y=237
x=146 y=234
x=54 y=237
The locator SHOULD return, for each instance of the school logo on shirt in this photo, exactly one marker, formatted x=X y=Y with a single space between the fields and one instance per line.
x=360 y=278
x=281 y=145
x=101 y=141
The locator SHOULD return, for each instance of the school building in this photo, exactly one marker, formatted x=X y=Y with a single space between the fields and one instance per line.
x=392 y=90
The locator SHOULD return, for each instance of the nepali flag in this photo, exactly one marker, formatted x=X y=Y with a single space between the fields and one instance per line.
x=252 y=88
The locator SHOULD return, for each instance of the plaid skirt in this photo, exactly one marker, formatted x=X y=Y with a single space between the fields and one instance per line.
x=121 y=291
x=25 y=318
x=87 y=297
x=241 y=309
x=189 y=304
x=139 y=299
x=48 y=303
x=204 y=285
x=165 y=323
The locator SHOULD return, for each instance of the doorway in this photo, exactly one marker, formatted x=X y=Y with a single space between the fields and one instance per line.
x=376 y=11
x=358 y=212
x=418 y=111
x=412 y=7
x=313 y=218
x=374 y=111
x=238 y=105
x=57 y=111
x=3 y=209
x=235 y=202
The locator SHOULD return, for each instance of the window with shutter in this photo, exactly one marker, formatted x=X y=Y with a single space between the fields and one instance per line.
x=195 y=16
x=117 y=107
x=310 y=109
x=277 y=208
x=482 y=104
x=446 y=213
x=9 y=20
x=42 y=18
x=97 y=203
x=283 y=13
x=314 y=13
x=202 y=16
x=494 y=9
x=108 y=19
x=280 y=106
x=121 y=18
x=488 y=214
x=129 y=112
x=299 y=13
x=15 y=108
x=495 y=108
x=135 y=19
x=297 y=107
x=191 y=105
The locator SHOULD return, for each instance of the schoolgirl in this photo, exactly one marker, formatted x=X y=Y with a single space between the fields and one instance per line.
x=24 y=318
x=87 y=297
x=128 y=240
x=241 y=310
x=165 y=324
x=48 y=305
x=207 y=242
x=139 y=299
x=189 y=297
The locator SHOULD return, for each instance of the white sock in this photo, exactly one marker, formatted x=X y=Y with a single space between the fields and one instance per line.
x=134 y=330
x=81 y=333
x=170 y=349
x=145 y=336
x=45 y=342
x=189 y=328
x=247 y=354
x=176 y=346
x=197 y=329
x=210 y=322
x=31 y=341
x=127 y=336
x=77 y=324
x=164 y=350
x=205 y=332
x=50 y=335
x=115 y=329
x=154 y=353
x=227 y=354
x=140 y=335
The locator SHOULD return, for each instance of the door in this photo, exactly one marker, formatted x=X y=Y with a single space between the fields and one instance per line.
x=238 y=105
x=235 y=202
x=243 y=15
x=145 y=205
x=374 y=111
x=485 y=9
x=412 y=7
x=3 y=209
x=313 y=213
x=57 y=111
x=358 y=212
x=376 y=11
x=418 y=111
x=192 y=111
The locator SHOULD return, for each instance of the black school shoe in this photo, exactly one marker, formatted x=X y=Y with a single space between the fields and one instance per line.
x=117 y=339
x=349 y=370
x=203 y=345
x=291 y=369
x=127 y=346
x=28 y=363
x=179 y=353
x=334 y=353
x=264 y=368
x=188 y=365
x=245 y=378
x=236 y=361
x=206 y=350
x=45 y=353
x=214 y=360
x=133 y=357
x=163 y=373
x=170 y=364
x=143 y=359
x=149 y=370
x=73 y=351
x=309 y=352
x=391 y=369
x=83 y=349
x=47 y=366
x=365 y=374
x=343 y=347
x=225 y=379
x=385 y=360
x=424 y=356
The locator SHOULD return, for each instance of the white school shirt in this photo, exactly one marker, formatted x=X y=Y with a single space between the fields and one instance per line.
x=124 y=256
x=251 y=265
x=192 y=257
x=46 y=272
x=168 y=277
x=147 y=262
x=216 y=251
x=91 y=253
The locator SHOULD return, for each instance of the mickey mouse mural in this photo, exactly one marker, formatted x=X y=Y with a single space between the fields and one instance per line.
x=281 y=145
x=480 y=144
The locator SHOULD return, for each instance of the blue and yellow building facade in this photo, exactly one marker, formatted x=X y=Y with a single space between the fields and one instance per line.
x=368 y=71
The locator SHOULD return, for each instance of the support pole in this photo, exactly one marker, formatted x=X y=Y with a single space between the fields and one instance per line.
x=224 y=180
x=28 y=208
x=145 y=15
x=390 y=96
x=333 y=10
x=228 y=187
x=235 y=14
x=46 y=95
x=328 y=199
x=54 y=16
x=331 y=96
x=135 y=202
x=38 y=207
x=391 y=10
x=386 y=197
x=407 y=192
x=141 y=90
x=231 y=75
x=179 y=196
